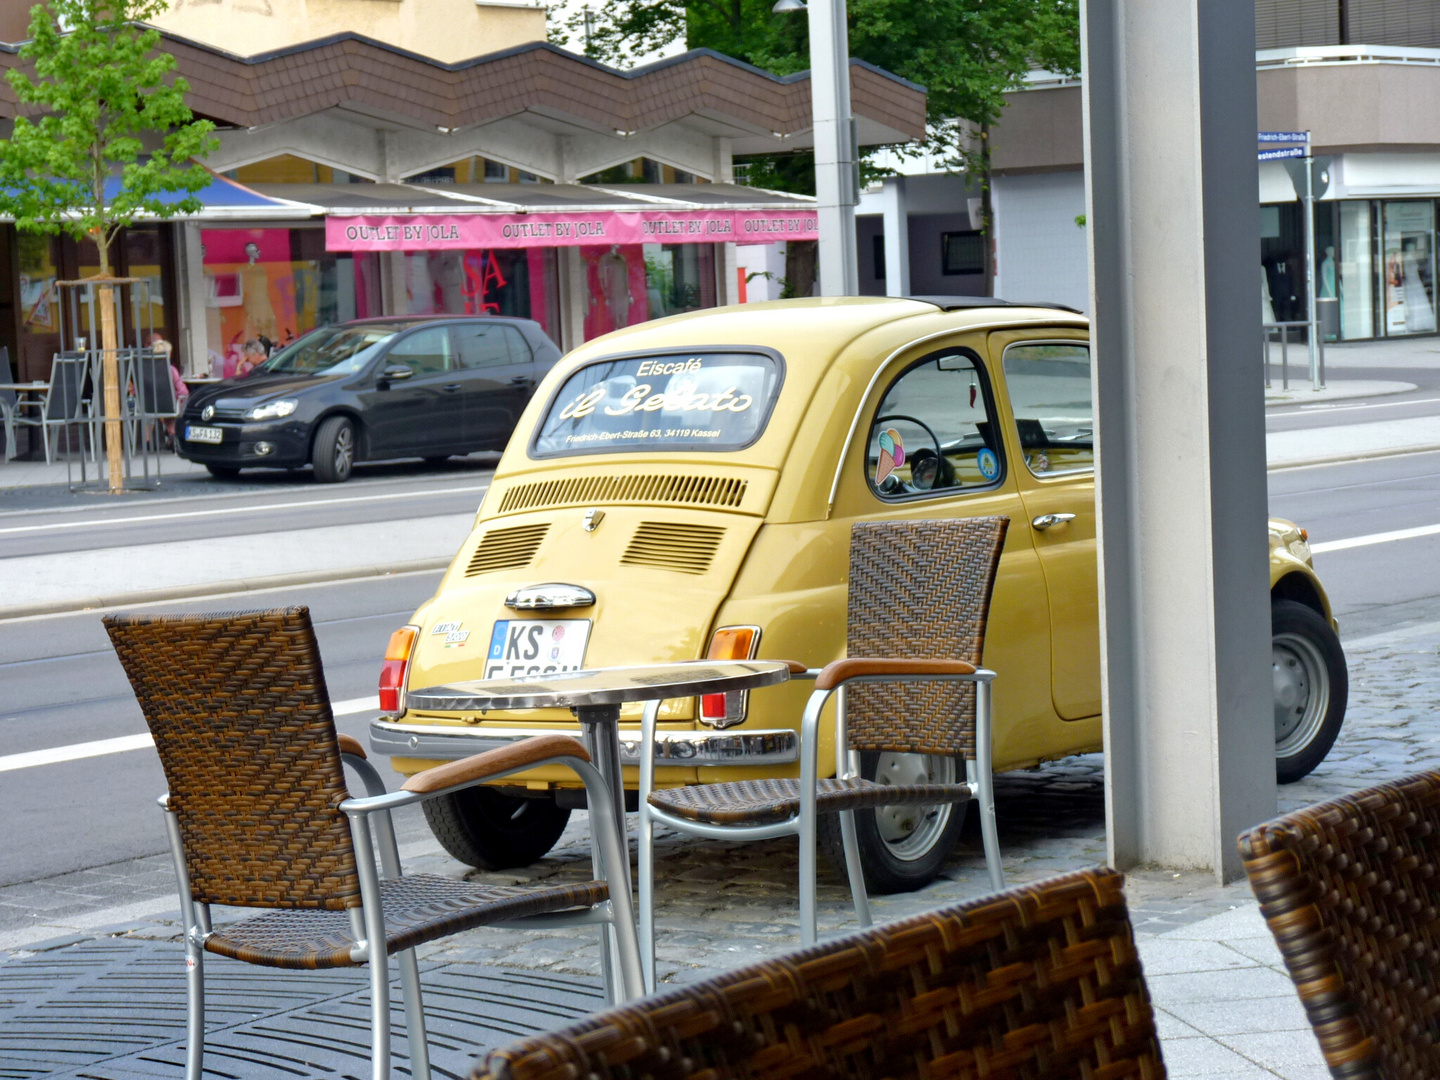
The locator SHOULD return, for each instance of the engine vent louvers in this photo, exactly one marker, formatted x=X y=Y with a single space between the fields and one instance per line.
x=506 y=549
x=686 y=549
x=720 y=491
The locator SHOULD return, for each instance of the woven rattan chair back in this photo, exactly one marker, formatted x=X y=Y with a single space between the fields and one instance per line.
x=1349 y=889
x=241 y=719
x=1040 y=982
x=919 y=590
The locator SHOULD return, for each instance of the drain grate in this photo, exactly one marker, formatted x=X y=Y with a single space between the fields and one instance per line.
x=115 y=1010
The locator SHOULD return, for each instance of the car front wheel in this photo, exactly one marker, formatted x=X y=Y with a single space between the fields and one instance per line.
x=490 y=830
x=334 y=453
x=1311 y=685
x=902 y=848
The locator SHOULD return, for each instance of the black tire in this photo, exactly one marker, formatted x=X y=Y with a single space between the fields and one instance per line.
x=333 y=454
x=1311 y=688
x=223 y=472
x=492 y=831
x=896 y=864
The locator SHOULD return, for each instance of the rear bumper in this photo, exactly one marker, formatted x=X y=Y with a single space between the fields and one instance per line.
x=690 y=748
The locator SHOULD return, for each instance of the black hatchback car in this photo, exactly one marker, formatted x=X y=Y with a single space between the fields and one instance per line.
x=371 y=389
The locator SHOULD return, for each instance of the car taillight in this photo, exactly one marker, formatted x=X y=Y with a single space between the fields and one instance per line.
x=392 y=675
x=729 y=643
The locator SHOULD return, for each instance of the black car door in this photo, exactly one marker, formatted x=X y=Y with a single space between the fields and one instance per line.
x=498 y=371
x=422 y=414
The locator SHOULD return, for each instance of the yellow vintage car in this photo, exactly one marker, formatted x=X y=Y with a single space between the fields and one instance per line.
x=685 y=488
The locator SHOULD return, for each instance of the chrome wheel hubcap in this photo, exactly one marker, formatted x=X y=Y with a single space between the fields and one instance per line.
x=344 y=450
x=910 y=832
x=1302 y=691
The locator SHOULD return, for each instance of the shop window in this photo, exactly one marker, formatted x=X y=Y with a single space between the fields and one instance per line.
x=962 y=253
x=1409 y=266
x=1050 y=396
x=425 y=352
x=933 y=431
x=1355 y=285
x=877 y=255
x=631 y=283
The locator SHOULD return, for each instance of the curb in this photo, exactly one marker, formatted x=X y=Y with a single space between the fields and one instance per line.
x=1363 y=455
x=212 y=588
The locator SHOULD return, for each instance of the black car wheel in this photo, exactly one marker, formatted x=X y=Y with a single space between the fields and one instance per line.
x=493 y=831
x=334 y=453
x=902 y=848
x=223 y=472
x=1311 y=685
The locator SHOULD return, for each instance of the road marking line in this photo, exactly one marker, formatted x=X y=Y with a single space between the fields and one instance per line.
x=100 y=522
x=1345 y=408
x=103 y=747
x=1375 y=538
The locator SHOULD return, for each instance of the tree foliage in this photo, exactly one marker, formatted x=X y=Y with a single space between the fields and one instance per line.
x=966 y=53
x=100 y=108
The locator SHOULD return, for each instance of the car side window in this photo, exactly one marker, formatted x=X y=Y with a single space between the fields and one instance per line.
x=424 y=352
x=482 y=345
x=520 y=351
x=934 y=431
x=1049 y=387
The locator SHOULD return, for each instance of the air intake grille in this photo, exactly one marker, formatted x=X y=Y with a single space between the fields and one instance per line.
x=579 y=490
x=686 y=549
x=506 y=549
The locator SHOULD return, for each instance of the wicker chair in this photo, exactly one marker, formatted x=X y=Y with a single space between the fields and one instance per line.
x=919 y=598
x=259 y=816
x=1040 y=982
x=1351 y=890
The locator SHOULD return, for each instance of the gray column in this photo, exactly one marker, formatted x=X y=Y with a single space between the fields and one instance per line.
x=834 y=147
x=192 y=339
x=574 y=298
x=1173 y=231
x=897 y=236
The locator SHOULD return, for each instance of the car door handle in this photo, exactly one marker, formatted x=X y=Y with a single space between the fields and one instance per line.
x=1044 y=521
x=452 y=386
x=520 y=380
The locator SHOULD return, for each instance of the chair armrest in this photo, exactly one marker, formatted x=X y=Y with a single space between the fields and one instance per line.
x=351 y=745
x=860 y=667
x=502 y=759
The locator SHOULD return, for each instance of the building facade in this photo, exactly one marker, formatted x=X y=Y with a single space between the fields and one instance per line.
x=413 y=156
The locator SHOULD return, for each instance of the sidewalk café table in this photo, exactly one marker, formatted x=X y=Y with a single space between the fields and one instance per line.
x=595 y=696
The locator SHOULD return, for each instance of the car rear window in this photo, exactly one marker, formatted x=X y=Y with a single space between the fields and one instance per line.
x=712 y=400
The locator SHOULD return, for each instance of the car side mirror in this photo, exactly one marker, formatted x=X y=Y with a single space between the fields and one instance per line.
x=395 y=372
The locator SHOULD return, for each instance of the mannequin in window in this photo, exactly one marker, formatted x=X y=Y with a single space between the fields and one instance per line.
x=1327 y=273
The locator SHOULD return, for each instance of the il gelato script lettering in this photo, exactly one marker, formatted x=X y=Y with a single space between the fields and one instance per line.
x=641 y=399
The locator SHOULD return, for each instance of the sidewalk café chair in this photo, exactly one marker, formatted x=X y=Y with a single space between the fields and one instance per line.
x=259 y=816
x=10 y=404
x=919 y=597
x=154 y=394
x=1351 y=890
x=1040 y=982
x=63 y=404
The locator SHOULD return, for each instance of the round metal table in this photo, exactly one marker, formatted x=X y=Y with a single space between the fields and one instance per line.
x=595 y=696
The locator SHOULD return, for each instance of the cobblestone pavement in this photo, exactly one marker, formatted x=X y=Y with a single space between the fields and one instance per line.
x=720 y=905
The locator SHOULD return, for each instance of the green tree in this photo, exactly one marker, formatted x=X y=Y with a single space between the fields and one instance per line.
x=106 y=139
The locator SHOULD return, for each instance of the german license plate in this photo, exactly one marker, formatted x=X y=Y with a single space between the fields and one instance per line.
x=203 y=434
x=536 y=647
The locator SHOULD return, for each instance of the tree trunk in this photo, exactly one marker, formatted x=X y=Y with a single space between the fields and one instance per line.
x=110 y=376
x=987 y=213
x=800 y=258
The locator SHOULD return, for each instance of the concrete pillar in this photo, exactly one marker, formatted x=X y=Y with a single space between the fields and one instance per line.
x=835 y=192
x=1173 y=243
x=724 y=161
x=897 y=236
x=574 y=298
x=394 y=291
x=727 y=283
x=192 y=339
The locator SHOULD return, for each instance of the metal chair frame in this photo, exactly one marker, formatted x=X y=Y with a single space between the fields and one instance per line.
x=368 y=920
x=979 y=781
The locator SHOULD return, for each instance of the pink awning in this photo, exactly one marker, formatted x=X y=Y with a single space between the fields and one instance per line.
x=437 y=232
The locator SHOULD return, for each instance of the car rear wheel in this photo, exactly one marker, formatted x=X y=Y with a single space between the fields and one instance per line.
x=223 y=472
x=1311 y=685
x=334 y=453
x=492 y=831
x=902 y=848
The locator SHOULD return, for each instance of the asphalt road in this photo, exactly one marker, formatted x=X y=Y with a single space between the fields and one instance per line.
x=62 y=685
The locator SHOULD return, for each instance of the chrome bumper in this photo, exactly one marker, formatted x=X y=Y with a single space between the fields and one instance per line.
x=690 y=748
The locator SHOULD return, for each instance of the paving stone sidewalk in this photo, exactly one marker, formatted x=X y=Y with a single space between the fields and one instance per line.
x=1224 y=1004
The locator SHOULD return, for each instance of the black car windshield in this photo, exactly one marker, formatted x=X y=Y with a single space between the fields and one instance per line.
x=713 y=401
x=332 y=350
